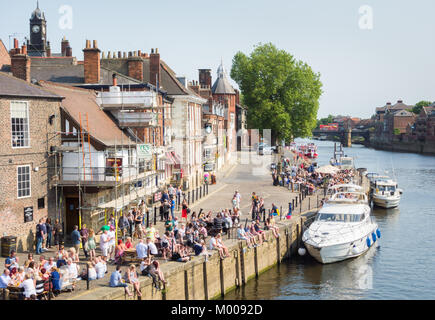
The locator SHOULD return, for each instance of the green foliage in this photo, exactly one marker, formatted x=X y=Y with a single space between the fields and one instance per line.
x=419 y=106
x=396 y=131
x=282 y=94
x=325 y=121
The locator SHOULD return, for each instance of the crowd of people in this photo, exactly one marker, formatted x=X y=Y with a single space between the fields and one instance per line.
x=195 y=234
x=302 y=175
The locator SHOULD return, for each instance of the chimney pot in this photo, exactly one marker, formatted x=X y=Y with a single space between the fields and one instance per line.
x=119 y=55
x=124 y=55
x=130 y=54
x=139 y=53
x=88 y=44
x=103 y=55
x=157 y=50
x=95 y=44
x=115 y=80
x=134 y=53
x=152 y=50
x=24 y=49
x=68 y=51
x=114 y=55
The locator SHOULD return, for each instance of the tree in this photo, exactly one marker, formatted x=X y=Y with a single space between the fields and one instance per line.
x=326 y=120
x=282 y=94
x=419 y=106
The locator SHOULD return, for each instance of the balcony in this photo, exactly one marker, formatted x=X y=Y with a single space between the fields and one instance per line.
x=137 y=119
x=117 y=99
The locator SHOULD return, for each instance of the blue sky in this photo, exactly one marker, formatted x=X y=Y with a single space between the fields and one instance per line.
x=360 y=69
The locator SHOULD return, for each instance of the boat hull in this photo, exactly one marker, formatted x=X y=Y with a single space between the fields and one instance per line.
x=385 y=202
x=342 y=251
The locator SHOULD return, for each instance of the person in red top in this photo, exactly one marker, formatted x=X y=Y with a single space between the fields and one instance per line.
x=128 y=243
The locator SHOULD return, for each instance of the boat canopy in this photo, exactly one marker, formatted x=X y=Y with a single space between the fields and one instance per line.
x=346 y=186
x=348 y=197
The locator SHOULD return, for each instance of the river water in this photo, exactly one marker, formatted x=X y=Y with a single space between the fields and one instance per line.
x=402 y=267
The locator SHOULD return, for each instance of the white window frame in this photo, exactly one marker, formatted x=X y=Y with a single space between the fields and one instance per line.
x=28 y=123
x=30 y=182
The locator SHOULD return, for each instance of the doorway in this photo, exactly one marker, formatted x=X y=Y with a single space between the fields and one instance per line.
x=72 y=214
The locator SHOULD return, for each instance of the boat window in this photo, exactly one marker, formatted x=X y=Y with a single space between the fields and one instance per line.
x=346 y=162
x=386 y=188
x=340 y=217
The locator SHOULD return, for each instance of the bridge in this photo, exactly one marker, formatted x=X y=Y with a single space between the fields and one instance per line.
x=345 y=135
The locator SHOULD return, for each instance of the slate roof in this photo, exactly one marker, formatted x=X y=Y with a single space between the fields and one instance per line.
x=66 y=71
x=14 y=87
x=222 y=85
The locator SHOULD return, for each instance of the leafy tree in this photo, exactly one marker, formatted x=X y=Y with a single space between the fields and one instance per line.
x=326 y=120
x=282 y=93
x=396 y=131
x=419 y=106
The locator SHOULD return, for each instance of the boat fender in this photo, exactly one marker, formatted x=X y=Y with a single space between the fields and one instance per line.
x=302 y=251
x=368 y=242
x=378 y=233
x=354 y=250
x=374 y=237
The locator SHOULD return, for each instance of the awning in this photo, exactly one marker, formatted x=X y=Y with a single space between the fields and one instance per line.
x=176 y=157
x=170 y=159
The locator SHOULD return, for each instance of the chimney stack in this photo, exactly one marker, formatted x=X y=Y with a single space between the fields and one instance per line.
x=135 y=67
x=155 y=67
x=92 y=62
x=64 y=45
x=69 y=51
x=205 y=77
x=48 y=49
x=20 y=63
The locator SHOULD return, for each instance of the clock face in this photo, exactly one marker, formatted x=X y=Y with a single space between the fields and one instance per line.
x=35 y=29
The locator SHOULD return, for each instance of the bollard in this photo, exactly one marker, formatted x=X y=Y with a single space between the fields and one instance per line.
x=203 y=191
x=188 y=197
x=49 y=287
x=155 y=215
x=161 y=212
x=148 y=218
x=87 y=276
x=4 y=293
x=280 y=213
x=293 y=203
x=200 y=192
x=309 y=203
x=197 y=194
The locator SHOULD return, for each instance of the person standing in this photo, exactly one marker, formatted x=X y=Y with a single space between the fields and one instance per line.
x=91 y=244
x=184 y=210
x=130 y=219
x=123 y=225
x=111 y=250
x=104 y=243
x=41 y=230
x=76 y=238
x=49 y=228
x=84 y=233
x=57 y=233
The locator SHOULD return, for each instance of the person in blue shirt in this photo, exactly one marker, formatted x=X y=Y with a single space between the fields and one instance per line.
x=76 y=238
x=41 y=231
x=115 y=280
x=5 y=279
x=55 y=281
x=172 y=208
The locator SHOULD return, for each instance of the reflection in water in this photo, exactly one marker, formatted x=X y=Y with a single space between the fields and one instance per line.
x=403 y=264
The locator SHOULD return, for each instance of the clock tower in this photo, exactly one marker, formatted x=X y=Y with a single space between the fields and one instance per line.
x=37 y=46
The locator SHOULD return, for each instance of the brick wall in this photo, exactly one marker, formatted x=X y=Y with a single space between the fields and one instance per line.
x=41 y=138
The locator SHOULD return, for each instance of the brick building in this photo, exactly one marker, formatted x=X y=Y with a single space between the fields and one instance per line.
x=29 y=116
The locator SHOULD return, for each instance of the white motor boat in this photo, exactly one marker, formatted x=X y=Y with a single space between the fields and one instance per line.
x=343 y=228
x=385 y=193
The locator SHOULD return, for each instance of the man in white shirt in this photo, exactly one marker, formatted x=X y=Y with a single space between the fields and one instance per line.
x=111 y=248
x=49 y=264
x=104 y=243
x=5 y=279
x=100 y=268
x=72 y=269
x=238 y=197
x=141 y=250
x=213 y=244
x=152 y=249
x=29 y=287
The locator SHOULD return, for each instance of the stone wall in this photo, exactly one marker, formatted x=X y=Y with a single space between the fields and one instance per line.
x=200 y=280
x=37 y=155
